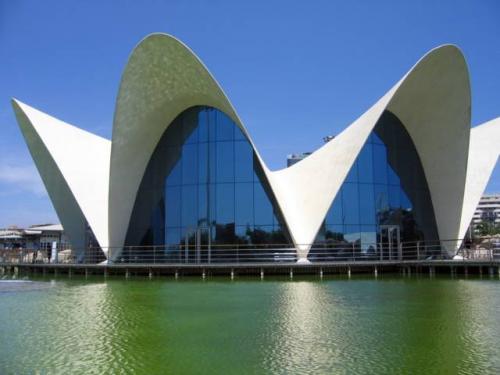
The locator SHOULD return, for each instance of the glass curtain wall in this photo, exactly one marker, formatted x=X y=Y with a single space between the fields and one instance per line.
x=204 y=190
x=383 y=201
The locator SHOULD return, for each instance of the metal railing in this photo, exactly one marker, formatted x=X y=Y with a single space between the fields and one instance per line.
x=263 y=253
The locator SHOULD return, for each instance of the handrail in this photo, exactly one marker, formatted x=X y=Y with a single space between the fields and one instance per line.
x=259 y=253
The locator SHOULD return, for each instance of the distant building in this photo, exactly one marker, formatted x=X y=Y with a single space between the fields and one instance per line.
x=39 y=237
x=295 y=158
x=488 y=210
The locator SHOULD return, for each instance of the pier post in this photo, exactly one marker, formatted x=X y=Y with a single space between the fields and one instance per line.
x=150 y=273
x=203 y=274
x=86 y=272
x=491 y=271
x=232 y=273
x=176 y=275
x=262 y=274
x=321 y=272
x=127 y=274
x=349 y=272
x=375 y=271
x=291 y=273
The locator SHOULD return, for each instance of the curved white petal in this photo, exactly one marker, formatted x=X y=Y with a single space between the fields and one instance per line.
x=433 y=103
x=162 y=78
x=74 y=166
x=484 y=151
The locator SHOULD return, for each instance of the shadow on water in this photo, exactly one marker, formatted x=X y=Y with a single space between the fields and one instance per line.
x=337 y=325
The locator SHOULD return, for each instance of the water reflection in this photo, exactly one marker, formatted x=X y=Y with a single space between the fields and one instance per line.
x=392 y=325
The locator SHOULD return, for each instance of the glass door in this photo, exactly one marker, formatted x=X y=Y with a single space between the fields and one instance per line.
x=389 y=240
x=197 y=246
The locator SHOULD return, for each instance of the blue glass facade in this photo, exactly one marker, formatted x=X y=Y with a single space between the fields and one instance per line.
x=204 y=184
x=385 y=189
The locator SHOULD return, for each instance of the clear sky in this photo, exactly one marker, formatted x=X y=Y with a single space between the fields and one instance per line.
x=294 y=70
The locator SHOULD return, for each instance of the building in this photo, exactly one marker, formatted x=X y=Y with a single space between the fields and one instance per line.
x=295 y=158
x=35 y=237
x=488 y=210
x=182 y=176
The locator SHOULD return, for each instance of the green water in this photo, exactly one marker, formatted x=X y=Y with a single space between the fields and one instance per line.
x=391 y=325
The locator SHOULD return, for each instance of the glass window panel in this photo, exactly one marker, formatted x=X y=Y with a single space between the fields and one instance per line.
x=212 y=162
x=376 y=139
x=334 y=233
x=393 y=178
x=238 y=134
x=225 y=127
x=394 y=197
x=203 y=218
x=379 y=164
x=352 y=233
x=263 y=210
x=212 y=188
x=175 y=175
x=190 y=164
x=244 y=203
x=243 y=158
x=366 y=204
x=365 y=164
x=173 y=236
x=369 y=239
x=334 y=215
x=203 y=160
x=189 y=125
x=225 y=162
x=189 y=215
x=202 y=126
x=352 y=176
x=350 y=203
x=212 y=125
x=225 y=203
x=158 y=223
x=173 y=206
x=381 y=198
x=405 y=201
x=243 y=233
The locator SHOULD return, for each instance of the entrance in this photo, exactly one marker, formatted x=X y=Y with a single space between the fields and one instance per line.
x=197 y=246
x=389 y=242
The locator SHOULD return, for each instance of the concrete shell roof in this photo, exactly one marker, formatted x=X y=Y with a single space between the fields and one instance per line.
x=163 y=78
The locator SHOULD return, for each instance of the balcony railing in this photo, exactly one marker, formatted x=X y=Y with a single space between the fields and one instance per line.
x=265 y=253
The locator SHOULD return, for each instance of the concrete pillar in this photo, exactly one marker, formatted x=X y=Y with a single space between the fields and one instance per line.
x=291 y=273
x=375 y=271
x=349 y=272
x=150 y=273
x=176 y=275
x=203 y=274
x=262 y=274
x=232 y=273
x=321 y=273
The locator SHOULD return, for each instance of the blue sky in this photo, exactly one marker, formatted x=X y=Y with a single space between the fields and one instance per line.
x=294 y=70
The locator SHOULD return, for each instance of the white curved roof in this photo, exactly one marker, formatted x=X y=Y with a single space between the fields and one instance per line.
x=163 y=78
x=74 y=166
